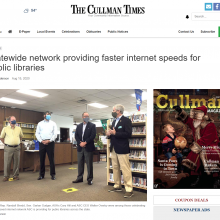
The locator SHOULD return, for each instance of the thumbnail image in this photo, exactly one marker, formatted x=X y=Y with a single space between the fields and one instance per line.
x=186 y=138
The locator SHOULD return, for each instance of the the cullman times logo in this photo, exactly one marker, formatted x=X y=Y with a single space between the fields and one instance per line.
x=91 y=9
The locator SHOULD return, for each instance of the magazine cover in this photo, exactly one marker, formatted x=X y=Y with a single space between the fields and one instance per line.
x=186 y=138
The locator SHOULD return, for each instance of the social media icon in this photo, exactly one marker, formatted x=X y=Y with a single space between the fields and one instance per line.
x=208 y=6
x=216 y=6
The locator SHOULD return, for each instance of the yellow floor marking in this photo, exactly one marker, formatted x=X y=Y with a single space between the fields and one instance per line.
x=69 y=190
x=10 y=179
x=72 y=168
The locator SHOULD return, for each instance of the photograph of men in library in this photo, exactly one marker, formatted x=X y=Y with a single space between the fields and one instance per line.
x=73 y=144
x=186 y=138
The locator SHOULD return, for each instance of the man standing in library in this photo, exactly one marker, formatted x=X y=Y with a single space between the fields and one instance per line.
x=11 y=136
x=119 y=134
x=46 y=134
x=85 y=135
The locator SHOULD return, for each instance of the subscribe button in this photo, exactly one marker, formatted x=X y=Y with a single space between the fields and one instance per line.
x=186 y=200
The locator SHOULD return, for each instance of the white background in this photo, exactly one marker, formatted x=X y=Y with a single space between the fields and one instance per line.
x=116 y=75
x=173 y=75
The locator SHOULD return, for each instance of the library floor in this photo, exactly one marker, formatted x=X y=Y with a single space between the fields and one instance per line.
x=28 y=188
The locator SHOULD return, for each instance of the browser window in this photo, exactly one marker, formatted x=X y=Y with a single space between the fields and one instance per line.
x=103 y=64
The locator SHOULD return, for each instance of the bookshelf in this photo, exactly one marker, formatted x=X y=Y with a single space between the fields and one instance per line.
x=28 y=129
x=140 y=157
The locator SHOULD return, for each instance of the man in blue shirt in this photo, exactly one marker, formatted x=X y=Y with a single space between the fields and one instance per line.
x=46 y=134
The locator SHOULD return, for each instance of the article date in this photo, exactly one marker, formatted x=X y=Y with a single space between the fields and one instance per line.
x=21 y=78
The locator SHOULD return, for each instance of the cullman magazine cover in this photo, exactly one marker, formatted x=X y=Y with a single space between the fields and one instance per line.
x=186 y=138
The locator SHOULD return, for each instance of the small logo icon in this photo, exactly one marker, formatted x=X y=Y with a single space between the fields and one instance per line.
x=10 y=31
x=216 y=6
x=26 y=10
x=208 y=6
x=187 y=16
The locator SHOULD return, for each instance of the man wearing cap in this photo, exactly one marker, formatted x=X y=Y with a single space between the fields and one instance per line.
x=46 y=134
x=205 y=153
x=11 y=136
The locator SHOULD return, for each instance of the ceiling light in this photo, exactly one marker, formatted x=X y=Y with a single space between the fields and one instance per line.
x=97 y=105
x=126 y=113
x=144 y=96
x=32 y=93
x=3 y=99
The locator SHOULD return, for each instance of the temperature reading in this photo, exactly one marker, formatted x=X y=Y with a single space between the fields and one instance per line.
x=33 y=10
